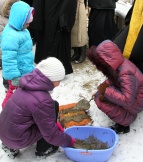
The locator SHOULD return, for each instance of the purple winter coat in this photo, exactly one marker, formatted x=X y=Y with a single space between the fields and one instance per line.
x=30 y=114
x=125 y=100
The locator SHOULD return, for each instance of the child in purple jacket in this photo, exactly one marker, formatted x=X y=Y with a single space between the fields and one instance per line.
x=30 y=115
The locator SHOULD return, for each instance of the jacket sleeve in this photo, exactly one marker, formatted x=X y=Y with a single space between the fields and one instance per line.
x=126 y=95
x=67 y=15
x=45 y=118
x=9 y=48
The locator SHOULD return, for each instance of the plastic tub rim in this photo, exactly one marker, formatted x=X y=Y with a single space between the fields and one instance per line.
x=115 y=144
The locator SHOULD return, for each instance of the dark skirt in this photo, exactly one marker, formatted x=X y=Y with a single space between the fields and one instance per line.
x=101 y=26
x=59 y=47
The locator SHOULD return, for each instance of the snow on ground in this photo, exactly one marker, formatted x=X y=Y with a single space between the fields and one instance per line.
x=81 y=84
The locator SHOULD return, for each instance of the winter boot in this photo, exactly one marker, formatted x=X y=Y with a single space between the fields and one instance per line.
x=82 y=56
x=120 y=128
x=44 y=149
x=12 y=153
x=49 y=151
x=76 y=53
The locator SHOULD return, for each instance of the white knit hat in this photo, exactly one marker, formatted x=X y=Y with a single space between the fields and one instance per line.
x=52 y=68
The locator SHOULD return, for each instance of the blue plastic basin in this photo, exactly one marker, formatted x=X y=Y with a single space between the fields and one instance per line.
x=83 y=132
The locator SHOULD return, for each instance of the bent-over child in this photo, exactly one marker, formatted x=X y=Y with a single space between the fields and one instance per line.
x=120 y=97
x=30 y=114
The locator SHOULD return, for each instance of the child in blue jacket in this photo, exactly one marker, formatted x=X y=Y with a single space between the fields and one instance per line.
x=16 y=45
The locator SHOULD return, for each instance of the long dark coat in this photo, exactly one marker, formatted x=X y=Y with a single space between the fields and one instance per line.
x=53 y=20
x=101 y=21
x=30 y=2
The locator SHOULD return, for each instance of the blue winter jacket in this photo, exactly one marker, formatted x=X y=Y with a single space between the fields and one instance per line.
x=16 y=45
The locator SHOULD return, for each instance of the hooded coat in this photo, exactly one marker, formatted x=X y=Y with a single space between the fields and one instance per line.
x=30 y=115
x=124 y=101
x=16 y=45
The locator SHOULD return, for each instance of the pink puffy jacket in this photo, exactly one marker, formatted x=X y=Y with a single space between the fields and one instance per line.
x=126 y=100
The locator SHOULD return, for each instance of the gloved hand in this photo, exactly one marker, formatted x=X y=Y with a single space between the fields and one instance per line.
x=103 y=99
x=102 y=88
x=73 y=142
x=15 y=81
x=60 y=127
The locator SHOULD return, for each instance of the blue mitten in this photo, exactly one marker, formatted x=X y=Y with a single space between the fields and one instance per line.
x=15 y=81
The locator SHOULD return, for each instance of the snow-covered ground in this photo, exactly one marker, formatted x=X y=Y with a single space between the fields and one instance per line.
x=82 y=83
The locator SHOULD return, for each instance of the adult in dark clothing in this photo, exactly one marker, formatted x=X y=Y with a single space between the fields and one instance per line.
x=53 y=20
x=134 y=44
x=30 y=2
x=101 y=21
x=85 y=2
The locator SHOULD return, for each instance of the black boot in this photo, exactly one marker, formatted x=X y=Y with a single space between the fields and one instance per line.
x=76 y=54
x=12 y=153
x=82 y=56
x=120 y=128
x=44 y=149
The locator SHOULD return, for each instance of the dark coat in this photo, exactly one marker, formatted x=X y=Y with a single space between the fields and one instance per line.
x=101 y=21
x=30 y=114
x=53 y=20
x=30 y=2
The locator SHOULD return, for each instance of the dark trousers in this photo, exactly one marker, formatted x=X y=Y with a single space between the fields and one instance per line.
x=5 y=82
x=85 y=1
x=42 y=145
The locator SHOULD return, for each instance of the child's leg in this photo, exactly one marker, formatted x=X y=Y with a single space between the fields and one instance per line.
x=56 y=109
x=6 y=85
x=116 y=113
x=43 y=148
x=9 y=93
x=5 y=82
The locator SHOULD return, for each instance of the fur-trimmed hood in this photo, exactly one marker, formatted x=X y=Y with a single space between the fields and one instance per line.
x=106 y=54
